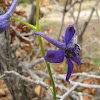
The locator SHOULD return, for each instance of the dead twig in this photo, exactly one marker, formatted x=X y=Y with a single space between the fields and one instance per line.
x=63 y=17
x=67 y=93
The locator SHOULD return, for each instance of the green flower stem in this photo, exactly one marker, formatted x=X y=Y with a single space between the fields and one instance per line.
x=37 y=15
x=24 y=23
x=41 y=44
x=42 y=49
x=53 y=84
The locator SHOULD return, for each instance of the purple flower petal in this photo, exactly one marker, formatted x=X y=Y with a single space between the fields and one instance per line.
x=70 y=69
x=63 y=39
x=77 y=61
x=55 y=56
x=4 y=26
x=12 y=8
x=5 y=18
x=54 y=42
x=4 y=23
x=70 y=31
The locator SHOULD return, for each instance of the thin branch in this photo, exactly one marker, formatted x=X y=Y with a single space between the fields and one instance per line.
x=35 y=62
x=81 y=96
x=87 y=75
x=85 y=85
x=77 y=19
x=89 y=18
x=38 y=82
x=20 y=35
x=79 y=11
x=91 y=43
x=42 y=74
x=62 y=77
x=3 y=75
x=67 y=93
x=31 y=64
x=30 y=33
x=64 y=12
x=63 y=17
x=22 y=44
x=97 y=14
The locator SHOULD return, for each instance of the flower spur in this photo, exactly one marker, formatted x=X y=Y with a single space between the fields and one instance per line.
x=5 y=18
x=68 y=49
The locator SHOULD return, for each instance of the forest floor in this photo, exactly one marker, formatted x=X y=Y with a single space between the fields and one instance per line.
x=50 y=25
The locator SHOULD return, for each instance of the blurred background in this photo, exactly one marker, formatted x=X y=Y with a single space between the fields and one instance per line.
x=55 y=16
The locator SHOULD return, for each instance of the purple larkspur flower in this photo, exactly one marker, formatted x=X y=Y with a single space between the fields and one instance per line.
x=68 y=49
x=5 y=18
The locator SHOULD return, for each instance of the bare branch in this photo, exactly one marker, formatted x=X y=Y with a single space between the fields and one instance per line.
x=79 y=11
x=67 y=93
x=63 y=17
x=62 y=77
x=43 y=74
x=77 y=19
x=2 y=76
x=22 y=44
x=89 y=18
x=38 y=82
x=20 y=35
x=31 y=64
x=85 y=74
x=85 y=85
x=91 y=43
x=35 y=62
x=30 y=33
x=97 y=14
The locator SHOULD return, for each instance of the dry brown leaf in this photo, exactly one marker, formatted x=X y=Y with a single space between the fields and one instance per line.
x=88 y=81
x=37 y=89
x=43 y=94
x=85 y=97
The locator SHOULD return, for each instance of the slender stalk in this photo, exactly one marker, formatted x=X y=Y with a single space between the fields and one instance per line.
x=37 y=15
x=41 y=44
x=42 y=48
x=24 y=23
x=53 y=84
